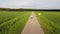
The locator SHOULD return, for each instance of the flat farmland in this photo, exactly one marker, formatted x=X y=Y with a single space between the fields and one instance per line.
x=50 y=22
x=13 y=22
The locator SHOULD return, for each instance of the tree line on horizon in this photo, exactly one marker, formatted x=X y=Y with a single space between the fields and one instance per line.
x=22 y=9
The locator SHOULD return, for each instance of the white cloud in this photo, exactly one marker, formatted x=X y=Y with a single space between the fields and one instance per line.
x=41 y=4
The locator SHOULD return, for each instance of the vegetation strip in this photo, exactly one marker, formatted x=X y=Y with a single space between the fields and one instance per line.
x=49 y=22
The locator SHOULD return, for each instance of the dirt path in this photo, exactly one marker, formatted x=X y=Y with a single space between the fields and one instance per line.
x=32 y=26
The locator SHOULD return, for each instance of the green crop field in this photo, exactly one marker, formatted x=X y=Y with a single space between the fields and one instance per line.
x=50 y=22
x=12 y=22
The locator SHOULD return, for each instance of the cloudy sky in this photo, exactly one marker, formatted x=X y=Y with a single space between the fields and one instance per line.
x=37 y=4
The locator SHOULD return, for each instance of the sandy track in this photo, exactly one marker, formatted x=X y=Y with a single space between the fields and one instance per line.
x=32 y=26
